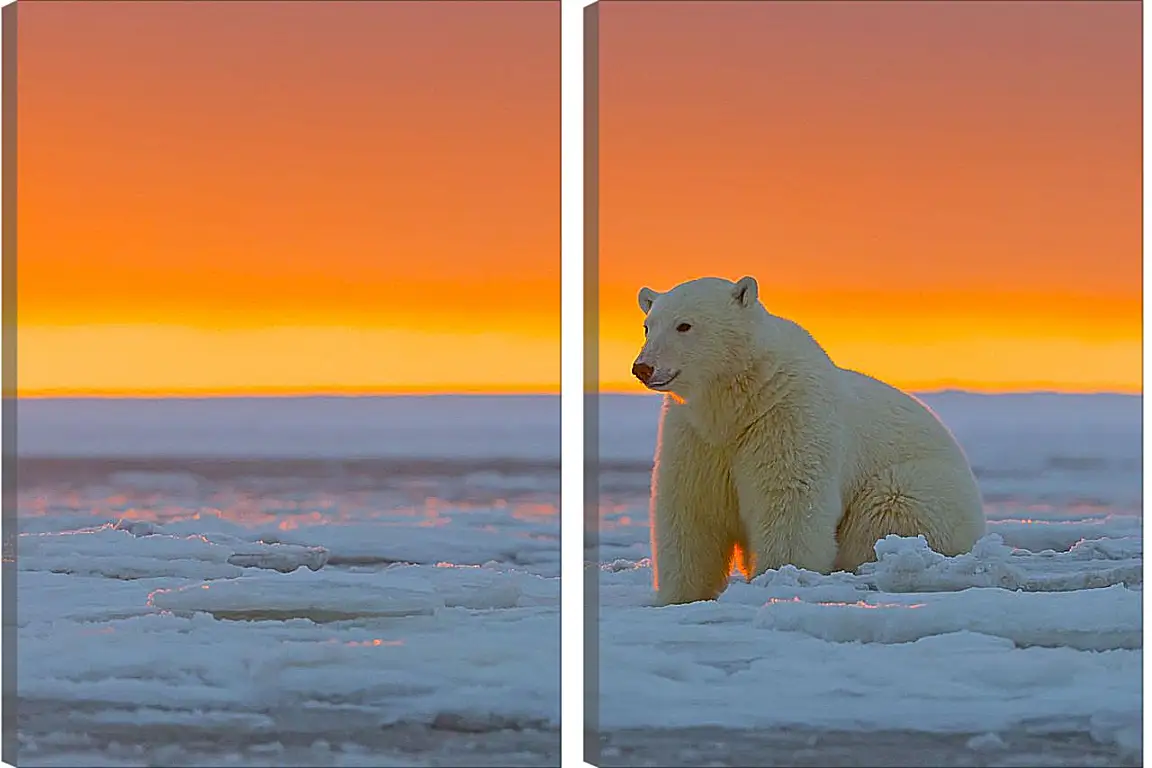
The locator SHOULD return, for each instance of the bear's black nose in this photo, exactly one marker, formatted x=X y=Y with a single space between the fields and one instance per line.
x=642 y=371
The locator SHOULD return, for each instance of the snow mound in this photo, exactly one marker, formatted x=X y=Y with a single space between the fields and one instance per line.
x=139 y=550
x=1094 y=620
x=336 y=596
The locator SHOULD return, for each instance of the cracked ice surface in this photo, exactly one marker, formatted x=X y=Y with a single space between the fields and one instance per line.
x=409 y=580
x=1040 y=627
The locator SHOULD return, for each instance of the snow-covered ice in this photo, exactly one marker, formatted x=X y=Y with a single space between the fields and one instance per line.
x=1039 y=628
x=286 y=567
x=269 y=569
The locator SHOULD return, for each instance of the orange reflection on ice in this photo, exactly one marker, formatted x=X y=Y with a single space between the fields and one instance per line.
x=133 y=513
x=531 y=512
x=434 y=522
x=151 y=596
x=624 y=521
x=374 y=643
x=838 y=604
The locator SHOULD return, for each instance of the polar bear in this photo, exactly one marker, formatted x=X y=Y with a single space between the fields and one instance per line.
x=769 y=454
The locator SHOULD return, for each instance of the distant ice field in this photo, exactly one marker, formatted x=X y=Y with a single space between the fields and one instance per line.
x=455 y=427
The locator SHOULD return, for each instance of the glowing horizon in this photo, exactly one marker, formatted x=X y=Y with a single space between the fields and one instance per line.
x=270 y=394
x=1038 y=388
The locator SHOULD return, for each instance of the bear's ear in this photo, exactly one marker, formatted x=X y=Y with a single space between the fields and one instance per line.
x=745 y=291
x=646 y=297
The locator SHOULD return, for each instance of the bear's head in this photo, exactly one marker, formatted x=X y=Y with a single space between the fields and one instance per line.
x=696 y=333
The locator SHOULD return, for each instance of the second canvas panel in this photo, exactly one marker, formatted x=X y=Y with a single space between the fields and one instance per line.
x=286 y=485
x=868 y=383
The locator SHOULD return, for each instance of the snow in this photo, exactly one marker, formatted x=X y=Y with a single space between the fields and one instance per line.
x=269 y=568
x=238 y=583
x=1040 y=627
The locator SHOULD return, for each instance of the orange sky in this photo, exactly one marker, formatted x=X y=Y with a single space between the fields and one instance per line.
x=944 y=193
x=253 y=196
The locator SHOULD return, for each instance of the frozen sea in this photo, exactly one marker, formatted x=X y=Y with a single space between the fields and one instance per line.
x=374 y=581
x=344 y=581
x=1028 y=651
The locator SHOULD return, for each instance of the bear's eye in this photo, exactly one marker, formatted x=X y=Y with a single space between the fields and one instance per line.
x=684 y=327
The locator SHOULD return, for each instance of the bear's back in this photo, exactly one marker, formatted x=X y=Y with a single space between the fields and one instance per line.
x=889 y=426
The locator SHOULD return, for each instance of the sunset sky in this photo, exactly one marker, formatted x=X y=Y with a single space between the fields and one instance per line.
x=947 y=194
x=232 y=197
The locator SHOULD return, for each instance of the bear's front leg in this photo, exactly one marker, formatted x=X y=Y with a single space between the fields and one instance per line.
x=790 y=505
x=695 y=525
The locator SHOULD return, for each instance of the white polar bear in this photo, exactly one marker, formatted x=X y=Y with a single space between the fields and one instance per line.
x=769 y=454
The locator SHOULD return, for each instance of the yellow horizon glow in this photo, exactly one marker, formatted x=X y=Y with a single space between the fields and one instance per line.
x=179 y=361
x=939 y=353
x=262 y=394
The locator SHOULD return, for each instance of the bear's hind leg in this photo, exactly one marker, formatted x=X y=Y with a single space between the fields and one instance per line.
x=790 y=529
x=928 y=498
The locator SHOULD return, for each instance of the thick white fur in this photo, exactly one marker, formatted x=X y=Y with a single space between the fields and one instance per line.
x=769 y=454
